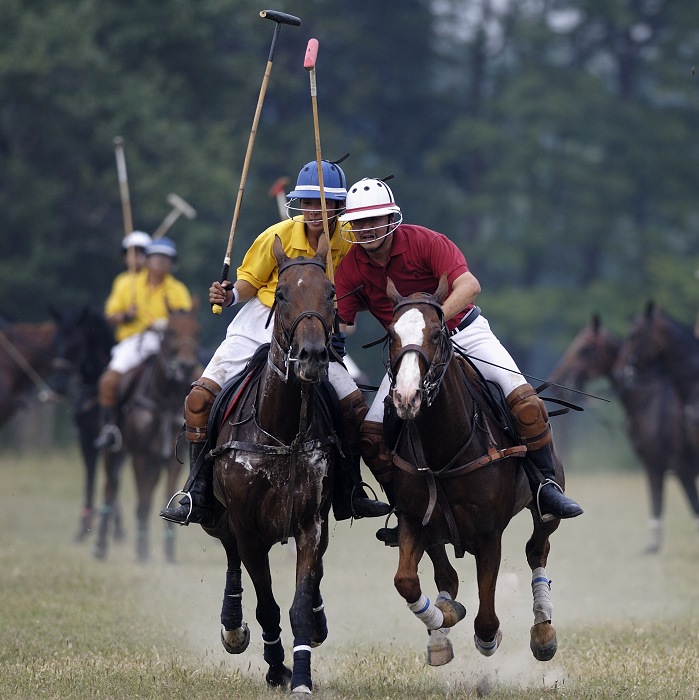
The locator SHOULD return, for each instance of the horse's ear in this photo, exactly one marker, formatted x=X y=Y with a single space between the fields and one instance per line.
x=322 y=250
x=392 y=292
x=596 y=322
x=54 y=312
x=196 y=304
x=650 y=308
x=278 y=250
x=442 y=289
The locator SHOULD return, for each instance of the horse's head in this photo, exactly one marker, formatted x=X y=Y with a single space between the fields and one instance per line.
x=419 y=348
x=303 y=304
x=590 y=355
x=179 y=350
x=81 y=346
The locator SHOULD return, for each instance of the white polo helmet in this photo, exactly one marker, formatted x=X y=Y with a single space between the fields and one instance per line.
x=366 y=199
x=136 y=239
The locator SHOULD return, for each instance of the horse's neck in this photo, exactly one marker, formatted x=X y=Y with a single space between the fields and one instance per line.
x=279 y=406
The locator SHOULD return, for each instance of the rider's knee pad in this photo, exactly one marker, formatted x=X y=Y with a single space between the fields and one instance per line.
x=531 y=417
x=197 y=407
x=375 y=452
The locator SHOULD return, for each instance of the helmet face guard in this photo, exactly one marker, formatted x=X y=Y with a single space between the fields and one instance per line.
x=308 y=185
x=367 y=199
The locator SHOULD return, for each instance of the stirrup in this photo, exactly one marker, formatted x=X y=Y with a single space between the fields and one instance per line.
x=172 y=498
x=357 y=488
x=546 y=517
x=107 y=430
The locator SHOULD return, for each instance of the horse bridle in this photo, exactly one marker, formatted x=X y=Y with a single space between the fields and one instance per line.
x=288 y=333
x=437 y=366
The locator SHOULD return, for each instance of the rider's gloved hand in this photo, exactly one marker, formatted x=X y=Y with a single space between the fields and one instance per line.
x=337 y=342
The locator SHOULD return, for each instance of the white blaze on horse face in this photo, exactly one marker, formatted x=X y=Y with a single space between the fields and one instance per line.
x=410 y=329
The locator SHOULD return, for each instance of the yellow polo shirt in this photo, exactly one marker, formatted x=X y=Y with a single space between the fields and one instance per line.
x=259 y=266
x=152 y=303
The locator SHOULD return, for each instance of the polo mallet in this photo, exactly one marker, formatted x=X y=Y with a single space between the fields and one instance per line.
x=278 y=191
x=179 y=208
x=309 y=64
x=125 y=198
x=280 y=18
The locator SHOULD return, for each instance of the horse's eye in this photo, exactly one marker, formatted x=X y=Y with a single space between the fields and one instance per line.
x=280 y=295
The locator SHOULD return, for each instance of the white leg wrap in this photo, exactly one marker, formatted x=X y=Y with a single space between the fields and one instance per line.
x=541 y=589
x=427 y=612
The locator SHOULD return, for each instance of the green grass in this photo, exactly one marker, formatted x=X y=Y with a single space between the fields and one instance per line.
x=74 y=627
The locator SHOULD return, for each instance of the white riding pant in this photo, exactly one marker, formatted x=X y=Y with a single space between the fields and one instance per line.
x=132 y=351
x=479 y=343
x=245 y=333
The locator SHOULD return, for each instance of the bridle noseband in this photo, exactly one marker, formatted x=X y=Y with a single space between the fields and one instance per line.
x=288 y=333
x=437 y=367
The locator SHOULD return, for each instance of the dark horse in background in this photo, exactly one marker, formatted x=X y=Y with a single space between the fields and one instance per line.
x=458 y=479
x=654 y=413
x=656 y=337
x=26 y=354
x=82 y=348
x=274 y=459
x=151 y=419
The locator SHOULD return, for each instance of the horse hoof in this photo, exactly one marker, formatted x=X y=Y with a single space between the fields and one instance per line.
x=300 y=692
x=439 y=649
x=99 y=552
x=278 y=677
x=452 y=611
x=488 y=648
x=543 y=641
x=235 y=641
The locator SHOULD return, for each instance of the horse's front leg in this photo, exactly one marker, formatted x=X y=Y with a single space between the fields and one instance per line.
x=88 y=427
x=307 y=614
x=543 y=641
x=255 y=557
x=147 y=472
x=439 y=648
x=112 y=465
x=487 y=625
x=411 y=546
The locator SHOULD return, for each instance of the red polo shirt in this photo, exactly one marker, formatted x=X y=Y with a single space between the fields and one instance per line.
x=418 y=258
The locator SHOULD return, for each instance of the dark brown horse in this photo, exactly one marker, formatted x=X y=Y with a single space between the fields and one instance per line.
x=82 y=348
x=26 y=353
x=274 y=463
x=154 y=394
x=458 y=479
x=657 y=337
x=654 y=414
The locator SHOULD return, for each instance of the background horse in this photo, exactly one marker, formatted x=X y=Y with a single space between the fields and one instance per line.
x=82 y=344
x=26 y=353
x=458 y=480
x=657 y=337
x=151 y=420
x=654 y=421
x=274 y=462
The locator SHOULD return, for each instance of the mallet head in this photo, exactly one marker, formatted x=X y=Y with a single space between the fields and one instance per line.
x=179 y=203
x=309 y=61
x=280 y=17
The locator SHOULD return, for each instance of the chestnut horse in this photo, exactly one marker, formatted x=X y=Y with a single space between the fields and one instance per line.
x=657 y=337
x=153 y=397
x=458 y=479
x=274 y=461
x=26 y=353
x=654 y=414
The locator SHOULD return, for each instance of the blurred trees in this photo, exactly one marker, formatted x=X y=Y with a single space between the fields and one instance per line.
x=554 y=140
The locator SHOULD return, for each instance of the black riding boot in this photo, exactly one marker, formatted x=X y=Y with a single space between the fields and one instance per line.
x=548 y=496
x=110 y=435
x=197 y=505
x=349 y=497
x=388 y=535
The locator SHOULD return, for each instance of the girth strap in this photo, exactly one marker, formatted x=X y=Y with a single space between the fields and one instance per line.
x=256 y=447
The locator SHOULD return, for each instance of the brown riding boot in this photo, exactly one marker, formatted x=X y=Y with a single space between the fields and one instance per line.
x=110 y=435
x=198 y=503
x=353 y=408
x=531 y=419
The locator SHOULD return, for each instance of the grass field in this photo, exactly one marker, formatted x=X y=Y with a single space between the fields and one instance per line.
x=74 y=627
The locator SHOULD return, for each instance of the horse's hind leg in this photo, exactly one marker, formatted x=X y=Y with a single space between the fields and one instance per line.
x=543 y=641
x=656 y=484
